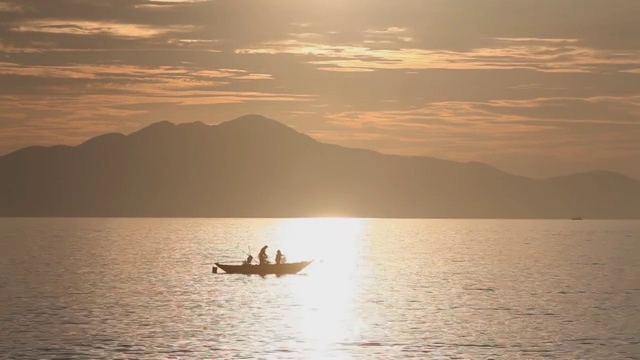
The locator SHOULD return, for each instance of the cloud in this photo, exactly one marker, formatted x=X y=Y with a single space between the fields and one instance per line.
x=457 y=79
x=11 y=7
x=79 y=27
x=166 y=4
x=163 y=74
x=345 y=69
x=71 y=118
x=82 y=95
x=255 y=77
x=543 y=55
x=430 y=24
x=471 y=130
x=523 y=115
x=387 y=37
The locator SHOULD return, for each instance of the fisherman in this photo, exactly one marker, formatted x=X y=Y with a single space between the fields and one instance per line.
x=249 y=260
x=280 y=259
x=262 y=256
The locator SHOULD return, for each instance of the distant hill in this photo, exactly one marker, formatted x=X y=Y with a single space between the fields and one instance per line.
x=256 y=167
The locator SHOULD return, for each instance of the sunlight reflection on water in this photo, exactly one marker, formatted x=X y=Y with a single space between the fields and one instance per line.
x=328 y=317
x=450 y=289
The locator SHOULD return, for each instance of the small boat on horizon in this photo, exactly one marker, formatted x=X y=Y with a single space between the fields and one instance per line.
x=264 y=269
x=576 y=218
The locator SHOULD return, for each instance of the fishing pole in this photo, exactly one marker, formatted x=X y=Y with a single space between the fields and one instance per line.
x=252 y=258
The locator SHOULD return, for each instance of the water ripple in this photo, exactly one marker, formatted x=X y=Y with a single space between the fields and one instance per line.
x=445 y=289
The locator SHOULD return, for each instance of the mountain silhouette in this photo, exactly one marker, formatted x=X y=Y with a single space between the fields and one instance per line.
x=256 y=167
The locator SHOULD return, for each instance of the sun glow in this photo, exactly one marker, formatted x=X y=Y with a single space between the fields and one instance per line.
x=326 y=295
x=323 y=239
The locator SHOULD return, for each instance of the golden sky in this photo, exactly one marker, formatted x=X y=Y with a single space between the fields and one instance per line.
x=534 y=87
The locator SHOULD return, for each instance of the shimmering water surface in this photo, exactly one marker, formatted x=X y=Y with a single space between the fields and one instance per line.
x=440 y=289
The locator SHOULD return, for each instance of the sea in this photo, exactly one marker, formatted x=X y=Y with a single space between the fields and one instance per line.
x=124 y=288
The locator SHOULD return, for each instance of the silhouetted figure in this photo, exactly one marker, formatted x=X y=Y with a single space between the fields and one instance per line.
x=249 y=260
x=262 y=256
x=278 y=257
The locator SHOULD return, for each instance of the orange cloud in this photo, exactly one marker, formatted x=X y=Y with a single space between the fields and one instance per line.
x=544 y=55
x=102 y=93
x=561 y=127
x=73 y=118
x=153 y=74
x=80 y=27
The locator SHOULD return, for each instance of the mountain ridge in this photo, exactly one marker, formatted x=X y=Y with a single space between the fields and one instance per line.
x=253 y=166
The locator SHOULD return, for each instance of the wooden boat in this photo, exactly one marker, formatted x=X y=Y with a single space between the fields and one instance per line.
x=266 y=269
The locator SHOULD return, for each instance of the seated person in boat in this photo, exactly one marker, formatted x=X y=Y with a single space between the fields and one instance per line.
x=248 y=261
x=262 y=256
x=280 y=259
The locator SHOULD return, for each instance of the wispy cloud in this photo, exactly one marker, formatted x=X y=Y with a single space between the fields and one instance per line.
x=80 y=27
x=166 y=4
x=345 y=69
x=528 y=115
x=74 y=117
x=389 y=36
x=107 y=94
x=111 y=71
x=456 y=79
x=471 y=130
x=12 y=7
x=544 y=55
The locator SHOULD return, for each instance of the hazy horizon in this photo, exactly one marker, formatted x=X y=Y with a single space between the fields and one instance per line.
x=553 y=93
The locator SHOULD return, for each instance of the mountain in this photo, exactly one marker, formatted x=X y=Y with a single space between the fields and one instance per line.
x=256 y=167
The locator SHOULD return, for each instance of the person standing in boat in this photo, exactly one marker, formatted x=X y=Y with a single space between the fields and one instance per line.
x=262 y=256
x=280 y=259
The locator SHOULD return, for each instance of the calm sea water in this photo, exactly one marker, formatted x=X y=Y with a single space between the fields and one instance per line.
x=438 y=289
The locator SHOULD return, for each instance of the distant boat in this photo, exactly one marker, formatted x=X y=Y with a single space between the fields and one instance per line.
x=576 y=218
x=267 y=269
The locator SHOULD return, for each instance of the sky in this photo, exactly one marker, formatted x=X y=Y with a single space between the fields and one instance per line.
x=537 y=88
